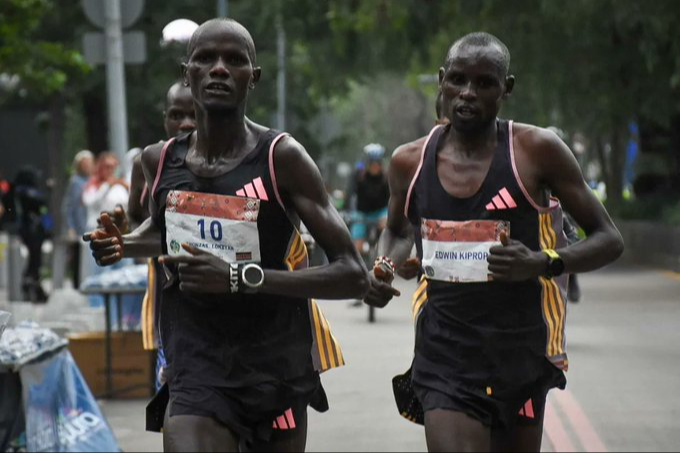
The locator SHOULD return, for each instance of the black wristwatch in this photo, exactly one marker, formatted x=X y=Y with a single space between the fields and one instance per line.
x=252 y=276
x=245 y=278
x=555 y=266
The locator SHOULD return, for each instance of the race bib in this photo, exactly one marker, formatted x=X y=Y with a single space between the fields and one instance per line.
x=458 y=251
x=223 y=225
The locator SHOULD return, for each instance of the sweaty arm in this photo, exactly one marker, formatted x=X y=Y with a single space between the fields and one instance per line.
x=561 y=174
x=546 y=165
x=396 y=240
x=303 y=191
x=109 y=245
x=138 y=205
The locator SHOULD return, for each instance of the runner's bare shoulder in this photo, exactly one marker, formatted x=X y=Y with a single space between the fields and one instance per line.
x=405 y=161
x=290 y=155
x=540 y=151
x=151 y=156
x=538 y=140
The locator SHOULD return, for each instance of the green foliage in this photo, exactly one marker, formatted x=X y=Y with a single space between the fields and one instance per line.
x=361 y=116
x=590 y=66
x=43 y=67
x=671 y=214
x=664 y=209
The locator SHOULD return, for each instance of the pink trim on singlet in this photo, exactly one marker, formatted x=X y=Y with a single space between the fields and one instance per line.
x=272 y=171
x=159 y=170
x=145 y=192
x=553 y=201
x=415 y=176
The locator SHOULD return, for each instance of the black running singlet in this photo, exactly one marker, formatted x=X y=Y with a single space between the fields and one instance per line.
x=242 y=359
x=493 y=334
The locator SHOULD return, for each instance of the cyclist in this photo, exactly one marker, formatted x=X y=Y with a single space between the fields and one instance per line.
x=370 y=195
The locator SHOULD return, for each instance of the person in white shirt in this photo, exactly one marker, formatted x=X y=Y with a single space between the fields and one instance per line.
x=104 y=191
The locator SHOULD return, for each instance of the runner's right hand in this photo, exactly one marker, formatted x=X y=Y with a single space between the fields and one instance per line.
x=381 y=292
x=106 y=242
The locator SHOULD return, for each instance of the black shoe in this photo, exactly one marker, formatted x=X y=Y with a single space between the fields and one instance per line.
x=573 y=289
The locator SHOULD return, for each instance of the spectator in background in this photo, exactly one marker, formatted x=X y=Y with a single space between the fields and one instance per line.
x=106 y=192
x=30 y=202
x=102 y=193
x=74 y=209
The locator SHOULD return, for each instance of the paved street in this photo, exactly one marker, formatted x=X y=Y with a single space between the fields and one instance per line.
x=623 y=344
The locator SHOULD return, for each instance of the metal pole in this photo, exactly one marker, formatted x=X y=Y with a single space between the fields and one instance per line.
x=115 y=81
x=222 y=8
x=281 y=76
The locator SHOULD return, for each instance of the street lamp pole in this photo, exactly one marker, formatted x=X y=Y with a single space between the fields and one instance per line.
x=115 y=80
x=222 y=8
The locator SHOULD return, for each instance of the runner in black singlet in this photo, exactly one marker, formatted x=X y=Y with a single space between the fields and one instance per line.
x=480 y=196
x=178 y=117
x=245 y=346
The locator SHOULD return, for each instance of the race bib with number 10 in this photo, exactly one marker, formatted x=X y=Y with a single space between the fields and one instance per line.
x=223 y=225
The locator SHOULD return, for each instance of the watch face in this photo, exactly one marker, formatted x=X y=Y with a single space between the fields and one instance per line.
x=556 y=267
x=253 y=275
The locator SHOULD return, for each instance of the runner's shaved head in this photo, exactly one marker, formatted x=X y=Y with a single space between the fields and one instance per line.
x=481 y=39
x=229 y=24
x=175 y=90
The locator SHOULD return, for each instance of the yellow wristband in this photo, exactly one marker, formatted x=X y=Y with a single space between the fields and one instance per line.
x=551 y=253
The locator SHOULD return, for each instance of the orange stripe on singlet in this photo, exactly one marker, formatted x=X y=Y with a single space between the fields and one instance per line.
x=148 y=308
x=419 y=298
x=319 y=337
x=549 y=301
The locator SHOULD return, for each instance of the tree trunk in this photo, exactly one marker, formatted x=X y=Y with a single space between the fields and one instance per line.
x=55 y=149
x=675 y=150
x=617 y=164
x=55 y=142
x=600 y=149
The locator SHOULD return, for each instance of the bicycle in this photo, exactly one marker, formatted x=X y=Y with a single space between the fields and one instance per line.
x=373 y=231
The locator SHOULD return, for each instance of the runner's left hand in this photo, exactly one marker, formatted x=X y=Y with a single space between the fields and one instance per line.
x=119 y=218
x=200 y=272
x=410 y=269
x=514 y=262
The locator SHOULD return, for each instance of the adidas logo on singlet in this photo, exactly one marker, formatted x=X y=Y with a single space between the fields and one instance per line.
x=254 y=189
x=502 y=201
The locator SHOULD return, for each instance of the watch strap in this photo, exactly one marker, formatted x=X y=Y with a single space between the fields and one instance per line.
x=234 y=278
x=553 y=256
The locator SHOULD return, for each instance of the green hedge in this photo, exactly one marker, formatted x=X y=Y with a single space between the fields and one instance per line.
x=665 y=210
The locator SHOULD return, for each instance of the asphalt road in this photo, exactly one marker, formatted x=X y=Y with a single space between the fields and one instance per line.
x=624 y=347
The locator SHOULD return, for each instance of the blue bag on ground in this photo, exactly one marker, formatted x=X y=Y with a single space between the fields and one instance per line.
x=61 y=413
